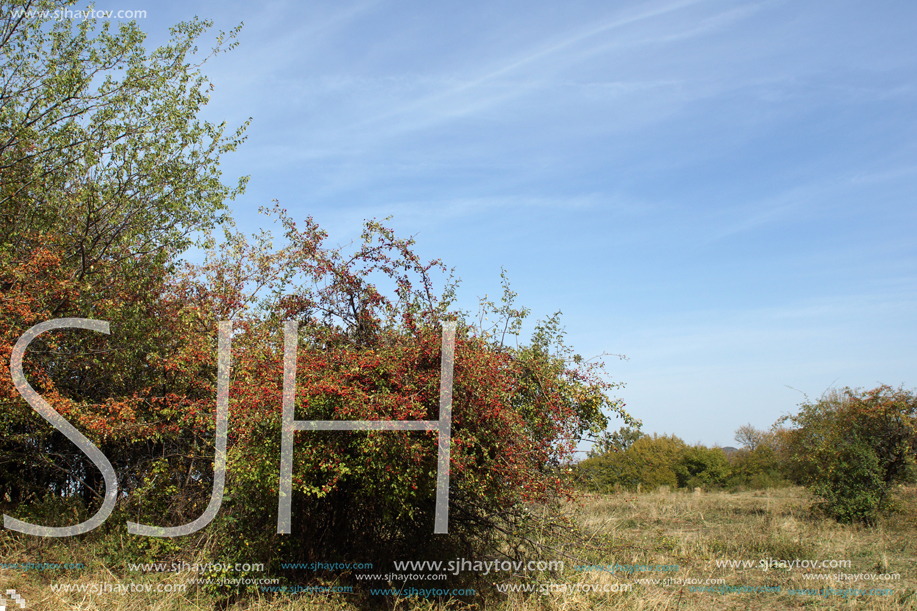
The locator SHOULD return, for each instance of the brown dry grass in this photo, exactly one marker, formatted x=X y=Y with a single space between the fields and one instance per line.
x=680 y=528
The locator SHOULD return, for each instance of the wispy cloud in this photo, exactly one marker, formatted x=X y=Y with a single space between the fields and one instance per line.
x=512 y=77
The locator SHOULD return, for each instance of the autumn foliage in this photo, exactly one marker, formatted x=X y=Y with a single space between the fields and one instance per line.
x=146 y=396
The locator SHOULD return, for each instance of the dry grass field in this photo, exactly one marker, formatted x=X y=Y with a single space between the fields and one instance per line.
x=627 y=534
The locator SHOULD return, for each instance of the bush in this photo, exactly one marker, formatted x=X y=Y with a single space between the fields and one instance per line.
x=700 y=466
x=649 y=461
x=755 y=468
x=851 y=447
x=517 y=412
x=853 y=490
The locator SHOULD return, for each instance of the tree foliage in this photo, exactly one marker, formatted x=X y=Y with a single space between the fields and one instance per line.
x=146 y=396
x=100 y=145
x=616 y=441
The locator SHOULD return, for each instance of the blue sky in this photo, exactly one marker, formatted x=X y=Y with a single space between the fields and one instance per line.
x=721 y=191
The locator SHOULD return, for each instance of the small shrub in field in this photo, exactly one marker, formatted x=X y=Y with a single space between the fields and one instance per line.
x=853 y=490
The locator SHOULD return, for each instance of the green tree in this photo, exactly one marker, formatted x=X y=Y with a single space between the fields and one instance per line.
x=105 y=173
x=100 y=144
x=756 y=468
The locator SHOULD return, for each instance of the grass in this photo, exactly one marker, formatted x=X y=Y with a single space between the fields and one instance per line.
x=692 y=530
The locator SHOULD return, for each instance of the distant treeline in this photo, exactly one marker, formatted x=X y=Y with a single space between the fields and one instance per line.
x=850 y=448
